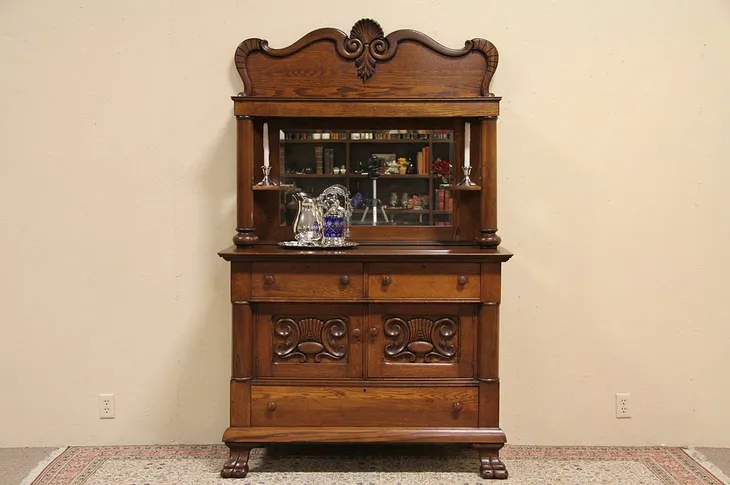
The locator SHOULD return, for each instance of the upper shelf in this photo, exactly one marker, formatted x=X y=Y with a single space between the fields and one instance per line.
x=366 y=108
x=370 y=141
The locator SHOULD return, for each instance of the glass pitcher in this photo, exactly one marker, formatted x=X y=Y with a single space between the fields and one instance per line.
x=308 y=222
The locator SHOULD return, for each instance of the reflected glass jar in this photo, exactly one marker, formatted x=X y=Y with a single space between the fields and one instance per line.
x=394 y=199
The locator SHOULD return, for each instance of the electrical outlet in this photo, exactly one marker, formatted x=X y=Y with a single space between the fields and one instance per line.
x=623 y=405
x=106 y=406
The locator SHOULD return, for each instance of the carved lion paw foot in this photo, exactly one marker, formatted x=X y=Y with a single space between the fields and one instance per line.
x=236 y=466
x=493 y=468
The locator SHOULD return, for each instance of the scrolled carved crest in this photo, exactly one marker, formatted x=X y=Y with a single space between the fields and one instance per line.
x=367 y=45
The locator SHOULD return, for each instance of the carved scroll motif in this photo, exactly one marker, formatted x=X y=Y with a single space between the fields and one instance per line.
x=367 y=42
x=310 y=339
x=367 y=45
x=420 y=339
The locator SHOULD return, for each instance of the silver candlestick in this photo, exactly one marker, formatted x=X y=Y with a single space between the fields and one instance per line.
x=267 y=182
x=466 y=181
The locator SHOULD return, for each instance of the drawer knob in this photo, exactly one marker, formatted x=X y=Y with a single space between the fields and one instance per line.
x=345 y=280
x=271 y=406
x=373 y=332
x=458 y=406
x=269 y=279
x=356 y=332
x=462 y=280
x=386 y=280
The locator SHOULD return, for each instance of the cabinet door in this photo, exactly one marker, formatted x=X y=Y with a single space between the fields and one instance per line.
x=432 y=340
x=309 y=340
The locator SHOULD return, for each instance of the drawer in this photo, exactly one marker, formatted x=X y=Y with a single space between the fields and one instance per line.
x=307 y=280
x=431 y=407
x=432 y=281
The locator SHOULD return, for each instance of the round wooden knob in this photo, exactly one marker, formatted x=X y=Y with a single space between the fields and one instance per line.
x=271 y=406
x=356 y=333
x=386 y=280
x=462 y=280
x=373 y=332
x=458 y=406
x=345 y=280
x=269 y=279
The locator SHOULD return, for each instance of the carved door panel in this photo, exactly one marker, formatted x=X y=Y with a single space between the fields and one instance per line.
x=431 y=340
x=309 y=340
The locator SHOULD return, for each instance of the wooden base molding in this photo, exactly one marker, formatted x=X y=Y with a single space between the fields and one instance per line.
x=318 y=434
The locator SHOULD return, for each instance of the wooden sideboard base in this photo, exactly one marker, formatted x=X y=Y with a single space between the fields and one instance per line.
x=318 y=434
x=487 y=441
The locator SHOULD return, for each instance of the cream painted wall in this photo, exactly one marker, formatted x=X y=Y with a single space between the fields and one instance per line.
x=117 y=190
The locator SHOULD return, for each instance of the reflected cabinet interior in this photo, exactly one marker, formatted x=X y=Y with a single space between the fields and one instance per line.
x=395 y=340
x=395 y=176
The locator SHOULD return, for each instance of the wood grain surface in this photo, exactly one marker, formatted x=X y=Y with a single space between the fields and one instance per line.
x=363 y=406
x=402 y=281
x=291 y=280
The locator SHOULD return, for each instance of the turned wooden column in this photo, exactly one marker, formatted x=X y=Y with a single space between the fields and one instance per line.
x=245 y=231
x=488 y=237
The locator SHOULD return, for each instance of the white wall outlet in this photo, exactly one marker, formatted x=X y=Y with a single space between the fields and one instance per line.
x=106 y=406
x=623 y=405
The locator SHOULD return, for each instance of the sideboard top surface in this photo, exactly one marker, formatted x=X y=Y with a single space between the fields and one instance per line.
x=369 y=253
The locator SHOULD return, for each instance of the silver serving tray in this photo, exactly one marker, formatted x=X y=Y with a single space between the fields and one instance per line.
x=299 y=245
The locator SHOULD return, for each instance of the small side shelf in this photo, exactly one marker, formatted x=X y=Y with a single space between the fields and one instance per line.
x=395 y=176
x=315 y=175
x=272 y=187
x=460 y=187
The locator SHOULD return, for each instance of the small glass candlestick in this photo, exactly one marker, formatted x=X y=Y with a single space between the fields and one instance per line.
x=466 y=181
x=267 y=182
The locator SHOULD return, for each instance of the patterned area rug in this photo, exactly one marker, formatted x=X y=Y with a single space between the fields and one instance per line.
x=392 y=465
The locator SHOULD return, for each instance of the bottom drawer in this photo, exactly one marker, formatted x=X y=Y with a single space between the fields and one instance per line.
x=364 y=406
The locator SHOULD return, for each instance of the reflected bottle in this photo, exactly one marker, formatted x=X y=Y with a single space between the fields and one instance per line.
x=393 y=200
x=404 y=200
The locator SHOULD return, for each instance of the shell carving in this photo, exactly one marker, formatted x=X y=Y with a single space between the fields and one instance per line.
x=367 y=30
x=310 y=339
x=420 y=339
x=367 y=42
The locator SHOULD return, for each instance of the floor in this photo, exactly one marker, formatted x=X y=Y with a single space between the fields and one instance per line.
x=720 y=457
x=16 y=463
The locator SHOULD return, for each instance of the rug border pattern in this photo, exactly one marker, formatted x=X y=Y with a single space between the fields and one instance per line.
x=671 y=465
